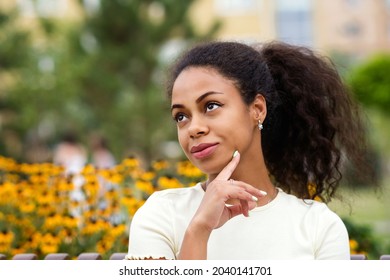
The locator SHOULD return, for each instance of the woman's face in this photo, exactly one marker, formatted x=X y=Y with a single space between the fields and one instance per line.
x=212 y=119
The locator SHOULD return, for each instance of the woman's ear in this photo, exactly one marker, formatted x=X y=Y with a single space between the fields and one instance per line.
x=259 y=108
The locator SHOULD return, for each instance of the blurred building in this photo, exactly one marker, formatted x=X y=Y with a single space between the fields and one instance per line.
x=353 y=27
x=45 y=8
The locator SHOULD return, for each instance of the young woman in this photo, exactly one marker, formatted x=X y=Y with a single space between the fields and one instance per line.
x=270 y=126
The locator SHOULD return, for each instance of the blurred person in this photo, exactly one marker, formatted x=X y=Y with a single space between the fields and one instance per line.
x=70 y=154
x=101 y=155
x=102 y=158
x=73 y=156
x=269 y=125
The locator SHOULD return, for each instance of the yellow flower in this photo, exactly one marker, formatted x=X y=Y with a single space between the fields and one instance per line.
x=187 y=169
x=27 y=168
x=148 y=176
x=26 y=191
x=111 y=194
x=38 y=179
x=129 y=201
x=56 y=170
x=27 y=207
x=117 y=230
x=353 y=244
x=88 y=170
x=118 y=168
x=70 y=222
x=111 y=176
x=312 y=189
x=46 y=209
x=45 y=197
x=132 y=204
x=67 y=235
x=127 y=192
x=116 y=178
x=105 y=173
x=8 y=164
x=6 y=238
x=145 y=186
x=93 y=226
x=49 y=248
x=169 y=183
x=49 y=243
x=91 y=188
x=53 y=221
x=50 y=170
x=160 y=164
x=65 y=185
x=36 y=239
x=105 y=244
x=130 y=162
x=8 y=193
x=135 y=174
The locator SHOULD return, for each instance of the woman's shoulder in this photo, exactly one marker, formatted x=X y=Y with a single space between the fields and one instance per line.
x=312 y=214
x=309 y=206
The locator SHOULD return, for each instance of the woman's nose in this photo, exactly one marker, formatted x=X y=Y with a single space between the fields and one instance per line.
x=197 y=127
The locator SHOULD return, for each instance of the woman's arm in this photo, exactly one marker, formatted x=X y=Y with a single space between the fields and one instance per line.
x=194 y=246
x=152 y=231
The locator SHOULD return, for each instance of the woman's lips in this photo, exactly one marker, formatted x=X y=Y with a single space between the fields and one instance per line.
x=203 y=150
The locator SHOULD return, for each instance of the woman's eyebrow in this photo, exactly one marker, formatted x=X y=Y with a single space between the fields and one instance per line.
x=198 y=100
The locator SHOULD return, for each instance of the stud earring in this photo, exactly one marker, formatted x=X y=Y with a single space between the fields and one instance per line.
x=260 y=125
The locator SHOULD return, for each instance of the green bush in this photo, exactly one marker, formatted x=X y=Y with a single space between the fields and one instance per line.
x=363 y=240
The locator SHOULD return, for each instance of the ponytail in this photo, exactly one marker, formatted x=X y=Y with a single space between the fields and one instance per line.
x=310 y=123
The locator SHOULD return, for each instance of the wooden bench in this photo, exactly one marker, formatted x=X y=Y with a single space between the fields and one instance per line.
x=358 y=257
x=121 y=256
x=57 y=256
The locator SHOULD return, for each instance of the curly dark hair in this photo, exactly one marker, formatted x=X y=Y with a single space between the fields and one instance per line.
x=312 y=123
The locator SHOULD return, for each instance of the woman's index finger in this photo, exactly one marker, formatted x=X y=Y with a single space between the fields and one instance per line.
x=228 y=170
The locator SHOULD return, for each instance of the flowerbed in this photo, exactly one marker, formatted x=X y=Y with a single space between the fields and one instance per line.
x=45 y=210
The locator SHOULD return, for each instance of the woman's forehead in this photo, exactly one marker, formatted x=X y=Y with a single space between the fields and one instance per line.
x=200 y=80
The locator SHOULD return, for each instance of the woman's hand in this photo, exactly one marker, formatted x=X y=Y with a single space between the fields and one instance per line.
x=213 y=211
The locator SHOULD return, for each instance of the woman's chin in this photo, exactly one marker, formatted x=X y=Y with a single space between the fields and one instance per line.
x=210 y=169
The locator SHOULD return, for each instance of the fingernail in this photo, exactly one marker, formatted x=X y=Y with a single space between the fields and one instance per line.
x=235 y=153
x=254 y=198
x=263 y=192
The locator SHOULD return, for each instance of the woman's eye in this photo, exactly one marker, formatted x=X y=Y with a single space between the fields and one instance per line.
x=179 y=117
x=212 y=106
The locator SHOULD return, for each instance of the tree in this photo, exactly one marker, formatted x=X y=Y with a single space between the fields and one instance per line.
x=370 y=82
x=102 y=74
x=42 y=94
x=15 y=44
x=122 y=87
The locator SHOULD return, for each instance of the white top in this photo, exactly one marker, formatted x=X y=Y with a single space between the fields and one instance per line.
x=286 y=228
